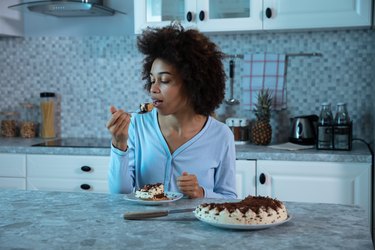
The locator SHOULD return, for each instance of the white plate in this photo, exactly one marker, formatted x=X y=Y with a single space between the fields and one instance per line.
x=173 y=196
x=244 y=227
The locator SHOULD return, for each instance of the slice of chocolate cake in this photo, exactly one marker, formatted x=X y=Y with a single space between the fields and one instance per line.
x=145 y=107
x=154 y=192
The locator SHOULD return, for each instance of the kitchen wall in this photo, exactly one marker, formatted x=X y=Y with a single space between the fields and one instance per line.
x=91 y=73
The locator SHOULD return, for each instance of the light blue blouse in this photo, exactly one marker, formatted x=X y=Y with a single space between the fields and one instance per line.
x=210 y=155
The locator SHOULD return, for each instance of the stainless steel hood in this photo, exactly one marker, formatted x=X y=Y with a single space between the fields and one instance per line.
x=67 y=8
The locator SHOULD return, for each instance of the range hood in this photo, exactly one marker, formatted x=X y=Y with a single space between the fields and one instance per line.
x=67 y=8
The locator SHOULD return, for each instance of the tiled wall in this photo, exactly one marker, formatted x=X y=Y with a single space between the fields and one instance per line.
x=91 y=73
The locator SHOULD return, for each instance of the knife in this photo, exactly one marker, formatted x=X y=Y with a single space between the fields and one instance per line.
x=154 y=214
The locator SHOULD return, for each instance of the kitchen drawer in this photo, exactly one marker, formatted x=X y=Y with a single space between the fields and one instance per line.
x=13 y=183
x=67 y=166
x=12 y=165
x=67 y=185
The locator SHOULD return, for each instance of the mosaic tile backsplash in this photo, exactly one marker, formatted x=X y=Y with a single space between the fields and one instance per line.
x=89 y=74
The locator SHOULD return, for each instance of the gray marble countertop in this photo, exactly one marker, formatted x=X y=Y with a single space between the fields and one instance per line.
x=359 y=153
x=58 y=220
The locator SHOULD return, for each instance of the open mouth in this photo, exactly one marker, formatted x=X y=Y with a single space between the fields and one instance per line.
x=157 y=102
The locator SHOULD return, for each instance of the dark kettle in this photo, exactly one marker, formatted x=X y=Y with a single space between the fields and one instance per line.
x=303 y=129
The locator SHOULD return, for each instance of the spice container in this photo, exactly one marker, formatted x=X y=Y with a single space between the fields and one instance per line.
x=9 y=124
x=28 y=124
x=244 y=129
x=234 y=125
x=47 y=108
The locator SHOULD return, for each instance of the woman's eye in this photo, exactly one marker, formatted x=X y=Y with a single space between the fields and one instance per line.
x=164 y=81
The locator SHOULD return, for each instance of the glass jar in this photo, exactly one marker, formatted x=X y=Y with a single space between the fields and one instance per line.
x=47 y=109
x=28 y=125
x=244 y=129
x=325 y=129
x=9 y=124
x=234 y=125
x=342 y=127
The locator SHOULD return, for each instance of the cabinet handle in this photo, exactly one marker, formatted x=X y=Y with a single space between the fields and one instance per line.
x=86 y=168
x=262 y=178
x=201 y=15
x=268 y=13
x=189 y=16
x=85 y=186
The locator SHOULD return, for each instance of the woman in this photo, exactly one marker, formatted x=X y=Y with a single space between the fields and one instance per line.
x=178 y=143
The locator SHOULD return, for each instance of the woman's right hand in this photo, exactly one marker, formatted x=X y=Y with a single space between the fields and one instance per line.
x=118 y=126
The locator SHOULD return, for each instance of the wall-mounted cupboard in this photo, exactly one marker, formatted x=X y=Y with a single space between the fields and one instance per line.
x=249 y=15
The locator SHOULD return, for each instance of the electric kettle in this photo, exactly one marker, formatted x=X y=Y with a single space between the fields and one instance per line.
x=303 y=129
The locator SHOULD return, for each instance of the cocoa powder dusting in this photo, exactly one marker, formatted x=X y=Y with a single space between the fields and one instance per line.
x=149 y=186
x=254 y=203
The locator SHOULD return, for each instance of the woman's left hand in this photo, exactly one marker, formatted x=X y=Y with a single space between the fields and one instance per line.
x=188 y=185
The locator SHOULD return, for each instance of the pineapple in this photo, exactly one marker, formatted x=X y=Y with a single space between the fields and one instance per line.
x=261 y=131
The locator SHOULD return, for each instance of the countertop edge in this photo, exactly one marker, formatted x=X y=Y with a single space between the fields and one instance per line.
x=359 y=152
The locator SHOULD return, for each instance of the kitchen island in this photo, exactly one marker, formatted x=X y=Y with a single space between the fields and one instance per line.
x=64 y=220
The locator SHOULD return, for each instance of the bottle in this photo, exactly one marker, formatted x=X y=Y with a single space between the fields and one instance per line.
x=47 y=108
x=325 y=128
x=341 y=127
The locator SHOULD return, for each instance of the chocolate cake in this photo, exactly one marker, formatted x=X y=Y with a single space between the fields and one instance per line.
x=257 y=210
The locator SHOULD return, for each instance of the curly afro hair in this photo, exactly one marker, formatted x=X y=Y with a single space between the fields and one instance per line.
x=197 y=59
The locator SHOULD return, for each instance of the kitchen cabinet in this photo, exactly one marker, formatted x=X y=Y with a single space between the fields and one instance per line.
x=206 y=15
x=302 y=14
x=318 y=182
x=11 y=21
x=67 y=173
x=13 y=171
x=245 y=178
x=247 y=15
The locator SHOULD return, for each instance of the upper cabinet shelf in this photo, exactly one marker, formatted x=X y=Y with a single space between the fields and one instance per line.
x=11 y=22
x=252 y=15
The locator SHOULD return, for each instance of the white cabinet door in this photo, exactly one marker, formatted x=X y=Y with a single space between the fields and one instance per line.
x=67 y=173
x=11 y=22
x=325 y=182
x=245 y=178
x=13 y=171
x=235 y=15
x=302 y=14
x=159 y=13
